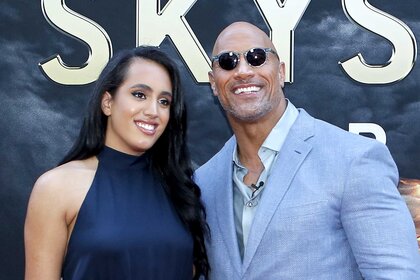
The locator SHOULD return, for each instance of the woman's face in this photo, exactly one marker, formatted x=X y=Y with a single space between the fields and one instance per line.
x=139 y=111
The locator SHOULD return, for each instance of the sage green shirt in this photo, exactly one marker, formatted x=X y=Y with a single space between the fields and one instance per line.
x=245 y=199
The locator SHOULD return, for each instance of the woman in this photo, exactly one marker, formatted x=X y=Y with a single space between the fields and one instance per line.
x=122 y=204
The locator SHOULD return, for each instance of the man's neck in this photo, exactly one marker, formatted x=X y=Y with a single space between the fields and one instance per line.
x=250 y=135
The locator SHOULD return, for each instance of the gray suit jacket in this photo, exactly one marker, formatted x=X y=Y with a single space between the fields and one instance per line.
x=330 y=210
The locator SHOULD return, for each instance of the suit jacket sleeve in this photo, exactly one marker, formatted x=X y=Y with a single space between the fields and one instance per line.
x=376 y=220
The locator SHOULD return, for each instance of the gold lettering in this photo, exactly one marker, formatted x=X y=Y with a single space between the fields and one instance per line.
x=282 y=17
x=84 y=29
x=373 y=128
x=153 y=24
x=402 y=39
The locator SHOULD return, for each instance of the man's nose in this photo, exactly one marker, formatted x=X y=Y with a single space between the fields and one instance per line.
x=243 y=69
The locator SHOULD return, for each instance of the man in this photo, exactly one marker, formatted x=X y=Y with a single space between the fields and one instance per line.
x=290 y=196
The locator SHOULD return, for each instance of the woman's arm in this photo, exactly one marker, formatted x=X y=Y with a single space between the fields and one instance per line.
x=45 y=229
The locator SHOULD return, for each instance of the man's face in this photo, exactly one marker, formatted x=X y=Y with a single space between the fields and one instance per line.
x=247 y=93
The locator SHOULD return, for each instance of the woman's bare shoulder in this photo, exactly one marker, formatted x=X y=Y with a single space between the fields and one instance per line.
x=53 y=205
x=64 y=179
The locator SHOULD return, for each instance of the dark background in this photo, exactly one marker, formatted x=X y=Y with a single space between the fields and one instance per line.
x=39 y=119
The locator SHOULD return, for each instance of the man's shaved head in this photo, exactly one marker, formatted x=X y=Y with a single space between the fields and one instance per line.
x=238 y=31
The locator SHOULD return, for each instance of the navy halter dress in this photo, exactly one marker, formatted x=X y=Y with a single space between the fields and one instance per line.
x=126 y=227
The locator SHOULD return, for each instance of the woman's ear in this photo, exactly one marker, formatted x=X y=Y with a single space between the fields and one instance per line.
x=106 y=103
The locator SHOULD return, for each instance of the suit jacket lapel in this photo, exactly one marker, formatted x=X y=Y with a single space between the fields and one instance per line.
x=224 y=206
x=294 y=151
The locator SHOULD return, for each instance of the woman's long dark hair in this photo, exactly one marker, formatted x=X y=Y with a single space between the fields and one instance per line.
x=169 y=155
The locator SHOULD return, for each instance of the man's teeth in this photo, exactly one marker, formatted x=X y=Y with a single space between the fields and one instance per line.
x=146 y=126
x=247 y=89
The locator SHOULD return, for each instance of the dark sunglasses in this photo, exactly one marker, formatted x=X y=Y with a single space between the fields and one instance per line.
x=255 y=57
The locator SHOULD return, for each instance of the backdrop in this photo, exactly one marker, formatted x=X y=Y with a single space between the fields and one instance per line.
x=43 y=96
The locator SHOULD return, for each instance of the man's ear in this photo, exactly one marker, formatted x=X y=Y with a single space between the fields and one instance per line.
x=106 y=103
x=212 y=83
x=282 y=73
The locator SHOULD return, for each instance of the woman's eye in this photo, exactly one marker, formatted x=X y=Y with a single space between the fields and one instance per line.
x=164 y=102
x=138 y=94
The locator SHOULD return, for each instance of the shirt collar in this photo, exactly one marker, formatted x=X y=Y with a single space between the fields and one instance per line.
x=278 y=134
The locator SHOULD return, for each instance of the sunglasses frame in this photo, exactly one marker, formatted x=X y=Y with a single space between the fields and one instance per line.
x=244 y=54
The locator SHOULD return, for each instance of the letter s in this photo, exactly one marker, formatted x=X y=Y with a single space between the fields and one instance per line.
x=401 y=37
x=84 y=29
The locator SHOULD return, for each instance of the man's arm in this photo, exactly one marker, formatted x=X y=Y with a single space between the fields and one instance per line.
x=377 y=222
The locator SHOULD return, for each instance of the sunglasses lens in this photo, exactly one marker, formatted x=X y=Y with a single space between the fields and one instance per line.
x=256 y=57
x=228 y=61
